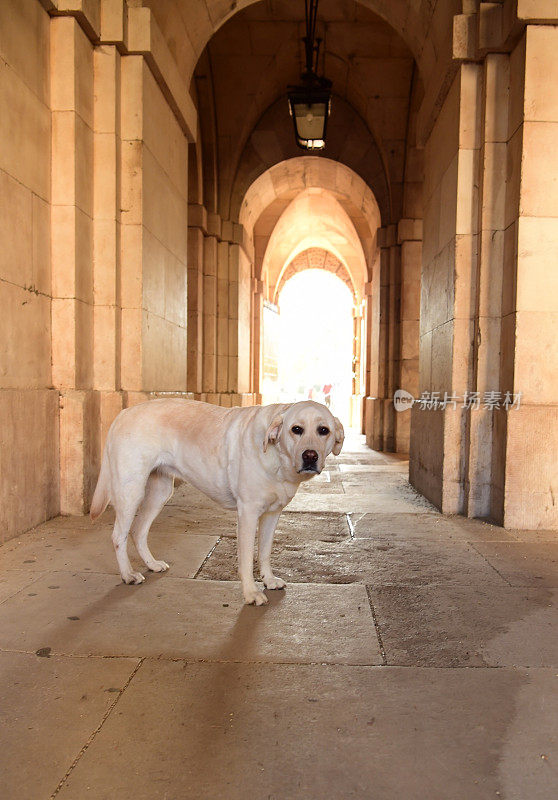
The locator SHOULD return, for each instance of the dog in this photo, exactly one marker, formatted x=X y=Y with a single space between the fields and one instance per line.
x=250 y=459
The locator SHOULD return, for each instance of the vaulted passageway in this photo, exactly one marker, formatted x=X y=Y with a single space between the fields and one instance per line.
x=155 y=210
x=149 y=165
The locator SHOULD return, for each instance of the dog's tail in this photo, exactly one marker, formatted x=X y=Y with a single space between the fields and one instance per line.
x=101 y=497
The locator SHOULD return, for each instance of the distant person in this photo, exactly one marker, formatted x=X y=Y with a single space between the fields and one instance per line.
x=311 y=393
x=327 y=394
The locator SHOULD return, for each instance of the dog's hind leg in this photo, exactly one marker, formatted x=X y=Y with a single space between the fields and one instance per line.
x=157 y=491
x=125 y=508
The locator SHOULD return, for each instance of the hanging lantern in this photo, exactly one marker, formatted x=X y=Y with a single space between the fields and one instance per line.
x=310 y=103
x=309 y=108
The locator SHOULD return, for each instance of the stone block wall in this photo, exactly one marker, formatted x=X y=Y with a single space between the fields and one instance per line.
x=451 y=161
x=489 y=313
x=526 y=441
x=154 y=170
x=29 y=413
x=95 y=126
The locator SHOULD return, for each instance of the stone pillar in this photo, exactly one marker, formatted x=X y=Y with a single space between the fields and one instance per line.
x=225 y=280
x=71 y=246
x=356 y=394
x=409 y=238
x=257 y=337
x=197 y=218
x=393 y=343
x=106 y=234
x=487 y=248
x=526 y=439
x=154 y=235
x=241 y=322
x=210 y=248
x=383 y=339
x=437 y=463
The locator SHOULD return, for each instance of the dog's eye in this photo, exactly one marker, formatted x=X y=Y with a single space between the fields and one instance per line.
x=298 y=430
x=323 y=431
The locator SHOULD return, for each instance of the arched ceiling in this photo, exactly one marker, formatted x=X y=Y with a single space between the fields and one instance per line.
x=314 y=258
x=267 y=33
x=252 y=59
x=273 y=191
x=313 y=219
x=423 y=25
x=349 y=143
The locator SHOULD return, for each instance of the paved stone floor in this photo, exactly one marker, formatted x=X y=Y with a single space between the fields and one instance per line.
x=412 y=656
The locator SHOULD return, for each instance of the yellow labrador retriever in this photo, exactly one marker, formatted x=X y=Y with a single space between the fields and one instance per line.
x=224 y=452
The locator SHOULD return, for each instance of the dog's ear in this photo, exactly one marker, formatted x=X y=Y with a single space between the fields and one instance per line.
x=273 y=432
x=339 y=437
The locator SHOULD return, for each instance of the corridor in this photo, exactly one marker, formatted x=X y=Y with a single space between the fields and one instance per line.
x=412 y=656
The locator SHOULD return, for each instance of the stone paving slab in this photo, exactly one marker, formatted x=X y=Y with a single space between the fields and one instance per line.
x=523 y=563
x=198 y=620
x=297 y=525
x=322 y=488
x=448 y=626
x=415 y=562
x=359 y=502
x=311 y=732
x=404 y=527
x=49 y=707
x=375 y=481
x=374 y=469
x=320 y=483
x=92 y=551
x=364 y=457
x=12 y=582
x=534 y=535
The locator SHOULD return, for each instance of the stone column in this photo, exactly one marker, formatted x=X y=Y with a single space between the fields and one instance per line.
x=437 y=450
x=106 y=234
x=383 y=338
x=227 y=277
x=210 y=249
x=487 y=248
x=154 y=236
x=409 y=238
x=393 y=338
x=257 y=338
x=526 y=439
x=356 y=396
x=72 y=244
x=197 y=219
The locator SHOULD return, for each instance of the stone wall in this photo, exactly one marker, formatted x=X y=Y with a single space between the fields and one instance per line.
x=154 y=235
x=450 y=225
x=28 y=404
x=526 y=441
x=95 y=126
x=489 y=306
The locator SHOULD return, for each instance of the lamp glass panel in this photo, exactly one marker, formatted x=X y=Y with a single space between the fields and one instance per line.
x=310 y=119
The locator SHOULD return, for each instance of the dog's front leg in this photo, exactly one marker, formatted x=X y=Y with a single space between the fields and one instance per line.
x=268 y=523
x=248 y=517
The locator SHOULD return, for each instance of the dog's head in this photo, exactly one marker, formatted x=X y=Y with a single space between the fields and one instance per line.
x=306 y=433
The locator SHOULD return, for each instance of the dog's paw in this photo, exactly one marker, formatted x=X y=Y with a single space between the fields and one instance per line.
x=273 y=582
x=158 y=566
x=133 y=577
x=253 y=597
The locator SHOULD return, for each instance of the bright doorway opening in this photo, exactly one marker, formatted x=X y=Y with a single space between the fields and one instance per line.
x=309 y=343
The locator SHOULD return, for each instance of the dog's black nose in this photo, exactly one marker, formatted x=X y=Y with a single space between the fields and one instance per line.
x=309 y=457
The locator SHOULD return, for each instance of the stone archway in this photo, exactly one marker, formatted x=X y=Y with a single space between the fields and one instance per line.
x=314 y=258
x=304 y=204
